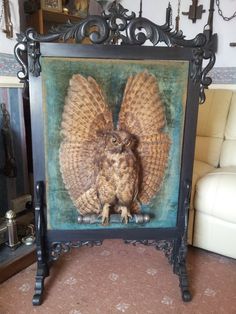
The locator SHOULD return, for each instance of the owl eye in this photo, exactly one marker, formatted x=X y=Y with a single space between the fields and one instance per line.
x=114 y=140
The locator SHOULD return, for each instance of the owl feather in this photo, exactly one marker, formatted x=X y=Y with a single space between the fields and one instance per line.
x=142 y=113
x=86 y=115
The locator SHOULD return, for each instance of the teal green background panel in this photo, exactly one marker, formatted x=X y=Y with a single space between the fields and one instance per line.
x=112 y=75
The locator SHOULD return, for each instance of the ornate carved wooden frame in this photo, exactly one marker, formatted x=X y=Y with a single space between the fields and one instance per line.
x=105 y=33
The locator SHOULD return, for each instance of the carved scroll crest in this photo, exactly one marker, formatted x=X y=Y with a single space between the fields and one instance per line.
x=116 y=26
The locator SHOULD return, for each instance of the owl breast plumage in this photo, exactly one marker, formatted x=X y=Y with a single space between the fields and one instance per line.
x=113 y=170
x=117 y=179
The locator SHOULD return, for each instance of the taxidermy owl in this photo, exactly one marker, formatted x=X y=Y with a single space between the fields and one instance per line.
x=113 y=170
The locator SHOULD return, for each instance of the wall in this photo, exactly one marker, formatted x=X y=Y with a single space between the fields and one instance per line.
x=155 y=10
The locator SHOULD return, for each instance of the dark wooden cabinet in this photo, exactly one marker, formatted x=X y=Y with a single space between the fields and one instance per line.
x=11 y=262
x=43 y=20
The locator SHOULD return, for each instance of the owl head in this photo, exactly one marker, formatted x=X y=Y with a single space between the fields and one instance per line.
x=117 y=142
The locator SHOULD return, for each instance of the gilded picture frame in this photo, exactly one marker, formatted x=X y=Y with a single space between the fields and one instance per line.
x=51 y=5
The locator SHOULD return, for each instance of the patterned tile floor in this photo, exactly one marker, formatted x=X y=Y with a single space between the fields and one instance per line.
x=120 y=278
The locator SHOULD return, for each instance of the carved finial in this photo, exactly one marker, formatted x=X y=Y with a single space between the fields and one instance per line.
x=10 y=214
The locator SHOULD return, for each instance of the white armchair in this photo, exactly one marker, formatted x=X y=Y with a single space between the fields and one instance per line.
x=213 y=204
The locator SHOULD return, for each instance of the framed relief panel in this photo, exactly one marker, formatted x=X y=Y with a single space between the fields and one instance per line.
x=151 y=113
x=113 y=130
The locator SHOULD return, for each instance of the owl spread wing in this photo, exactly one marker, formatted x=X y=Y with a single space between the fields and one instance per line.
x=85 y=115
x=142 y=114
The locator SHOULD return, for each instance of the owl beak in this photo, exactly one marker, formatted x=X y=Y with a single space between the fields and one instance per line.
x=120 y=148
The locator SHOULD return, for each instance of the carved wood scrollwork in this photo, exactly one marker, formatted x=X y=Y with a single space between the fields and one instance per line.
x=117 y=27
x=165 y=246
x=58 y=248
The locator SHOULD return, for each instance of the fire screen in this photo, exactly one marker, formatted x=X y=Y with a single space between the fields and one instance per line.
x=113 y=130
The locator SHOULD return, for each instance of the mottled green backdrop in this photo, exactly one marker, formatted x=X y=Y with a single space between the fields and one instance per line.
x=112 y=75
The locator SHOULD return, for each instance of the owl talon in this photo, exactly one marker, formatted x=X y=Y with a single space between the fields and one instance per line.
x=125 y=214
x=105 y=214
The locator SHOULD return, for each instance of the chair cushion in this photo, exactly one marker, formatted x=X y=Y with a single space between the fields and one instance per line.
x=211 y=125
x=207 y=150
x=214 y=234
x=199 y=170
x=215 y=194
x=228 y=152
x=230 y=131
x=213 y=113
